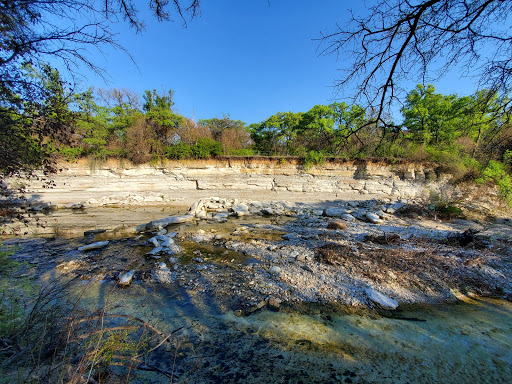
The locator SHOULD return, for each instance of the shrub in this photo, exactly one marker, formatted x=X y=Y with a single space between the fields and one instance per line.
x=71 y=154
x=206 y=148
x=242 y=152
x=495 y=172
x=178 y=151
x=313 y=158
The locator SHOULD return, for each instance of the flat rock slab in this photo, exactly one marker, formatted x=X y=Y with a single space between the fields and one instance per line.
x=97 y=245
x=169 y=220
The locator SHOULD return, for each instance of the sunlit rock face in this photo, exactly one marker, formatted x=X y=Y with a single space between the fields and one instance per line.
x=114 y=183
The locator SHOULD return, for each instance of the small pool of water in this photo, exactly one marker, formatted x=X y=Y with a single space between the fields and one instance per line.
x=468 y=342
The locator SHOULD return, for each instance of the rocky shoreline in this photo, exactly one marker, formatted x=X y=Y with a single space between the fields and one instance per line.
x=248 y=255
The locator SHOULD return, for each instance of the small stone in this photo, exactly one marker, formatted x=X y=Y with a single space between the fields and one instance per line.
x=373 y=218
x=154 y=241
x=140 y=228
x=201 y=214
x=154 y=251
x=267 y=212
x=238 y=313
x=274 y=303
x=334 y=212
x=275 y=270
x=169 y=220
x=348 y=217
x=240 y=210
x=126 y=279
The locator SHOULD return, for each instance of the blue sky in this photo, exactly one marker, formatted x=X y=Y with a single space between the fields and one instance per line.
x=242 y=58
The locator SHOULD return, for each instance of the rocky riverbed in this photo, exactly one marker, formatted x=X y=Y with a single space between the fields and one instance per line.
x=249 y=255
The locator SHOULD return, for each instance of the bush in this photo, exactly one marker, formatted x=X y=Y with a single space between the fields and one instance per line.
x=178 y=151
x=71 y=154
x=313 y=158
x=452 y=162
x=242 y=152
x=495 y=172
x=206 y=148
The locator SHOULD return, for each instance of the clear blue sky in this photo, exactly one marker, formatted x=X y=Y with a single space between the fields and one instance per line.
x=242 y=58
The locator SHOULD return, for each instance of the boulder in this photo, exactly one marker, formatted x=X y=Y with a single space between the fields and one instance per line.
x=381 y=299
x=97 y=245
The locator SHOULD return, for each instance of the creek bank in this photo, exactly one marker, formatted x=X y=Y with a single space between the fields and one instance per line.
x=81 y=185
x=249 y=255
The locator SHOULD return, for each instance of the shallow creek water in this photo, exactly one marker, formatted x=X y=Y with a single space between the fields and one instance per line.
x=467 y=342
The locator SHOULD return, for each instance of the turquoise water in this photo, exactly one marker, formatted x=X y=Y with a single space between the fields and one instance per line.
x=468 y=342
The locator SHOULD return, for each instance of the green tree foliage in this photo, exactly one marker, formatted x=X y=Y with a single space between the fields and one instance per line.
x=28 y=127
x=178 y=151
x=158 y=108
x=206 y=147
x=443 y=121
x=276 y=135
x=433 y=118
x=29 y=35
x=328 y=127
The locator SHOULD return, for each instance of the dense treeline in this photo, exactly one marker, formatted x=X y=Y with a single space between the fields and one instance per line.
x=470 y=135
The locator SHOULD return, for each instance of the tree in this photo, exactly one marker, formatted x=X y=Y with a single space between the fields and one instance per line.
x=27 y=125
x=400 y=40
x=218 y=125
x=158 y=110
x=328 y=127
x=275 y=135
x=29 y=35
x=433 y=118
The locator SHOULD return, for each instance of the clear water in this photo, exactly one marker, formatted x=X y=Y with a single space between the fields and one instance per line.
x=468 y=342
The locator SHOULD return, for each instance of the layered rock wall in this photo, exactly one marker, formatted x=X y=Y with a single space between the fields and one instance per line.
x=157 y=183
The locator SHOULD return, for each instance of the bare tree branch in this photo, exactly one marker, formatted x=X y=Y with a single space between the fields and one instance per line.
x=420 y=40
